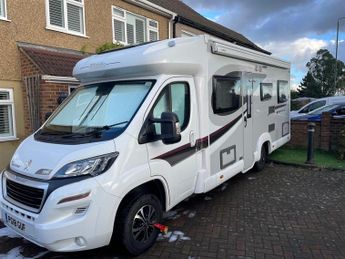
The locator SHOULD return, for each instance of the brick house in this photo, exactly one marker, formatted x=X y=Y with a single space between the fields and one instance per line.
x=39 y=50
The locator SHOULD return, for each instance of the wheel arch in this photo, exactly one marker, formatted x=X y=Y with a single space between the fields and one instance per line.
x=264 y=139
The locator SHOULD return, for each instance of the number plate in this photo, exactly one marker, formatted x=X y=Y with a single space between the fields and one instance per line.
x=15 y=223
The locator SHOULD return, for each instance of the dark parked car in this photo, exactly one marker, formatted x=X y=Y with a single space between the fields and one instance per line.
x=336 y=110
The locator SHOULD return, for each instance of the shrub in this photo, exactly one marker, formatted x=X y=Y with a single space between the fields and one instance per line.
x=108 y=46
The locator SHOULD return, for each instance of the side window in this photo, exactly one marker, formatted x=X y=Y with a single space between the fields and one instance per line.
x=226 y=96
x=341 y=110
x=313 y=106
x=174 y=98
x=283 y=91
x=266 y=90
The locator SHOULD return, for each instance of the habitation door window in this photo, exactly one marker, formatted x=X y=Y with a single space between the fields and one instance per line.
x=129 y=28
x=66 y=16
x=2 y=9
x=7 y=127
x=266 y=91
x=283 y=91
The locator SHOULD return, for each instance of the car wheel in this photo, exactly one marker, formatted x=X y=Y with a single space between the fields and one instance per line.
x=137 y=221
x=260 y=165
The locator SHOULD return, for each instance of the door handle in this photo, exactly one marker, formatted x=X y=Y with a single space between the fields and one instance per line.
x=192 y=139
x=245 y=121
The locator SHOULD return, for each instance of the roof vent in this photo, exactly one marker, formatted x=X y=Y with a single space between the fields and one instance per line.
x=171 y=43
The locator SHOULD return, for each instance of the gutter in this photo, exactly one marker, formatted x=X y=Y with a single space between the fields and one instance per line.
x=60 y=79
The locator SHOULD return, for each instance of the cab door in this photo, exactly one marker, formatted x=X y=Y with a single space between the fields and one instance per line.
x=176 y=162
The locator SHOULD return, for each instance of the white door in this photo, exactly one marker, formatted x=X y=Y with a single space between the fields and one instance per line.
x=176 y=162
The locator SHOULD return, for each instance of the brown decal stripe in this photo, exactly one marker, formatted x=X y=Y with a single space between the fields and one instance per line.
x=217 y=134
x=179 y=154
x=202 y=143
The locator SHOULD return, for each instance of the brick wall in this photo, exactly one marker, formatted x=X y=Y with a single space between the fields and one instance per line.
x=49 y=92
x=325 y=136
x=336 y=126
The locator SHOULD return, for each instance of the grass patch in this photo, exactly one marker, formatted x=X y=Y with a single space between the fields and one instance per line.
x=299 y=156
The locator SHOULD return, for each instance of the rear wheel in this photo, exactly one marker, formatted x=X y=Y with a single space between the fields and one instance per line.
x=136 y=223
x=260 y=165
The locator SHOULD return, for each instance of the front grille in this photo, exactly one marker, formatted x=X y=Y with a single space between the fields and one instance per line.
x=29 y=196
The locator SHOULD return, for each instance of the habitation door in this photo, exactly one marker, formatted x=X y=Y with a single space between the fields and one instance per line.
x=177 y=162
x=247 y=94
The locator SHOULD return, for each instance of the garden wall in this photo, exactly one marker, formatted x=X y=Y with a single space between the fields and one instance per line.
x=327 y=133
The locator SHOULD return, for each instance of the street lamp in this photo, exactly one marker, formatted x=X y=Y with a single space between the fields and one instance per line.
x=336 y=51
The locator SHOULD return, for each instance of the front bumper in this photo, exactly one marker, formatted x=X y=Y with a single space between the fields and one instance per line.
x=75 y=225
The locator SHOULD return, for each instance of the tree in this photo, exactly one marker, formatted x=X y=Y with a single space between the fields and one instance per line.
x=319 y=80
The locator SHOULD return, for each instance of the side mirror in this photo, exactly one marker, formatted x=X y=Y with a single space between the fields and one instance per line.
x=171 y=130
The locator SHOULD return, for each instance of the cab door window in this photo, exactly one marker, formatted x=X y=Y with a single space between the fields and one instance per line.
x=174 y=98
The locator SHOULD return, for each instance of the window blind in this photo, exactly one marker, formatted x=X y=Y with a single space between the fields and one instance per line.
x=56 y=13
x=75 y=18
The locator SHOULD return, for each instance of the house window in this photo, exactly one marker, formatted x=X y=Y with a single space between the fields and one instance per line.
x=266 y=90
x=7 y=128
x=226 y=96
x=129 y=28
x=66 y=16
x=283 y=91
x=2 y=9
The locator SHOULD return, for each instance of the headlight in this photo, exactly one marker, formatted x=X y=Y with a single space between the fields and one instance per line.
x=93 y=166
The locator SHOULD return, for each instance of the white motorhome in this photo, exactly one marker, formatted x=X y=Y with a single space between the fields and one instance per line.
x=150 y=126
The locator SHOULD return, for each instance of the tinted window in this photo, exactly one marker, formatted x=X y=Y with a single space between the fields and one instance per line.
x=283 y=91
x=174 y=98
x=313 y=106
x=226 y=96
x=266 y=90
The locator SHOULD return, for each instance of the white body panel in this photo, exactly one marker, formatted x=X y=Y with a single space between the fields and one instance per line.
x=212 y=149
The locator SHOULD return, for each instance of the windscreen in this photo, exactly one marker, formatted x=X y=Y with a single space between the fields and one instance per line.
x=96 y=108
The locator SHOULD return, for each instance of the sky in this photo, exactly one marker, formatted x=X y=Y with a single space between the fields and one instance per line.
x=293 y=30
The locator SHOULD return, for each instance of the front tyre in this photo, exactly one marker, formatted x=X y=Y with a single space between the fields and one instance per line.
x=137 y=220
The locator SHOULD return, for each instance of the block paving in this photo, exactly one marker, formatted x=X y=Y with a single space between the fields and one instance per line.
x=281 y=212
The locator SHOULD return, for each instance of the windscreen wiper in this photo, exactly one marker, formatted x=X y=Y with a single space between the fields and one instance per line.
x=93 y=132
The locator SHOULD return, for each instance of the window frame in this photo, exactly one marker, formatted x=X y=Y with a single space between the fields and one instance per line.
x=278 y=91
x=72 y=88
x=151 y=28
x=11 y=103
x=123 y=19
x=262 y=98
x=224 y=112
x=4 y=5
x=187 y=105
x=65 y=28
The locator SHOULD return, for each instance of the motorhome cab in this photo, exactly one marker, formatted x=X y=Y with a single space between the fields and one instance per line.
x=150 y=126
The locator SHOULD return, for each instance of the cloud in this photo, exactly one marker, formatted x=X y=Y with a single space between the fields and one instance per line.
x=298 y=52
x=268 y=20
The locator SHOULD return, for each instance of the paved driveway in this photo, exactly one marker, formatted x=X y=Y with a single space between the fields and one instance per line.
x=282 y=212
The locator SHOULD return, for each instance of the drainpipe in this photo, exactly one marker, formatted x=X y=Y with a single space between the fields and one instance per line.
x=176 y=20
x=172 y=23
